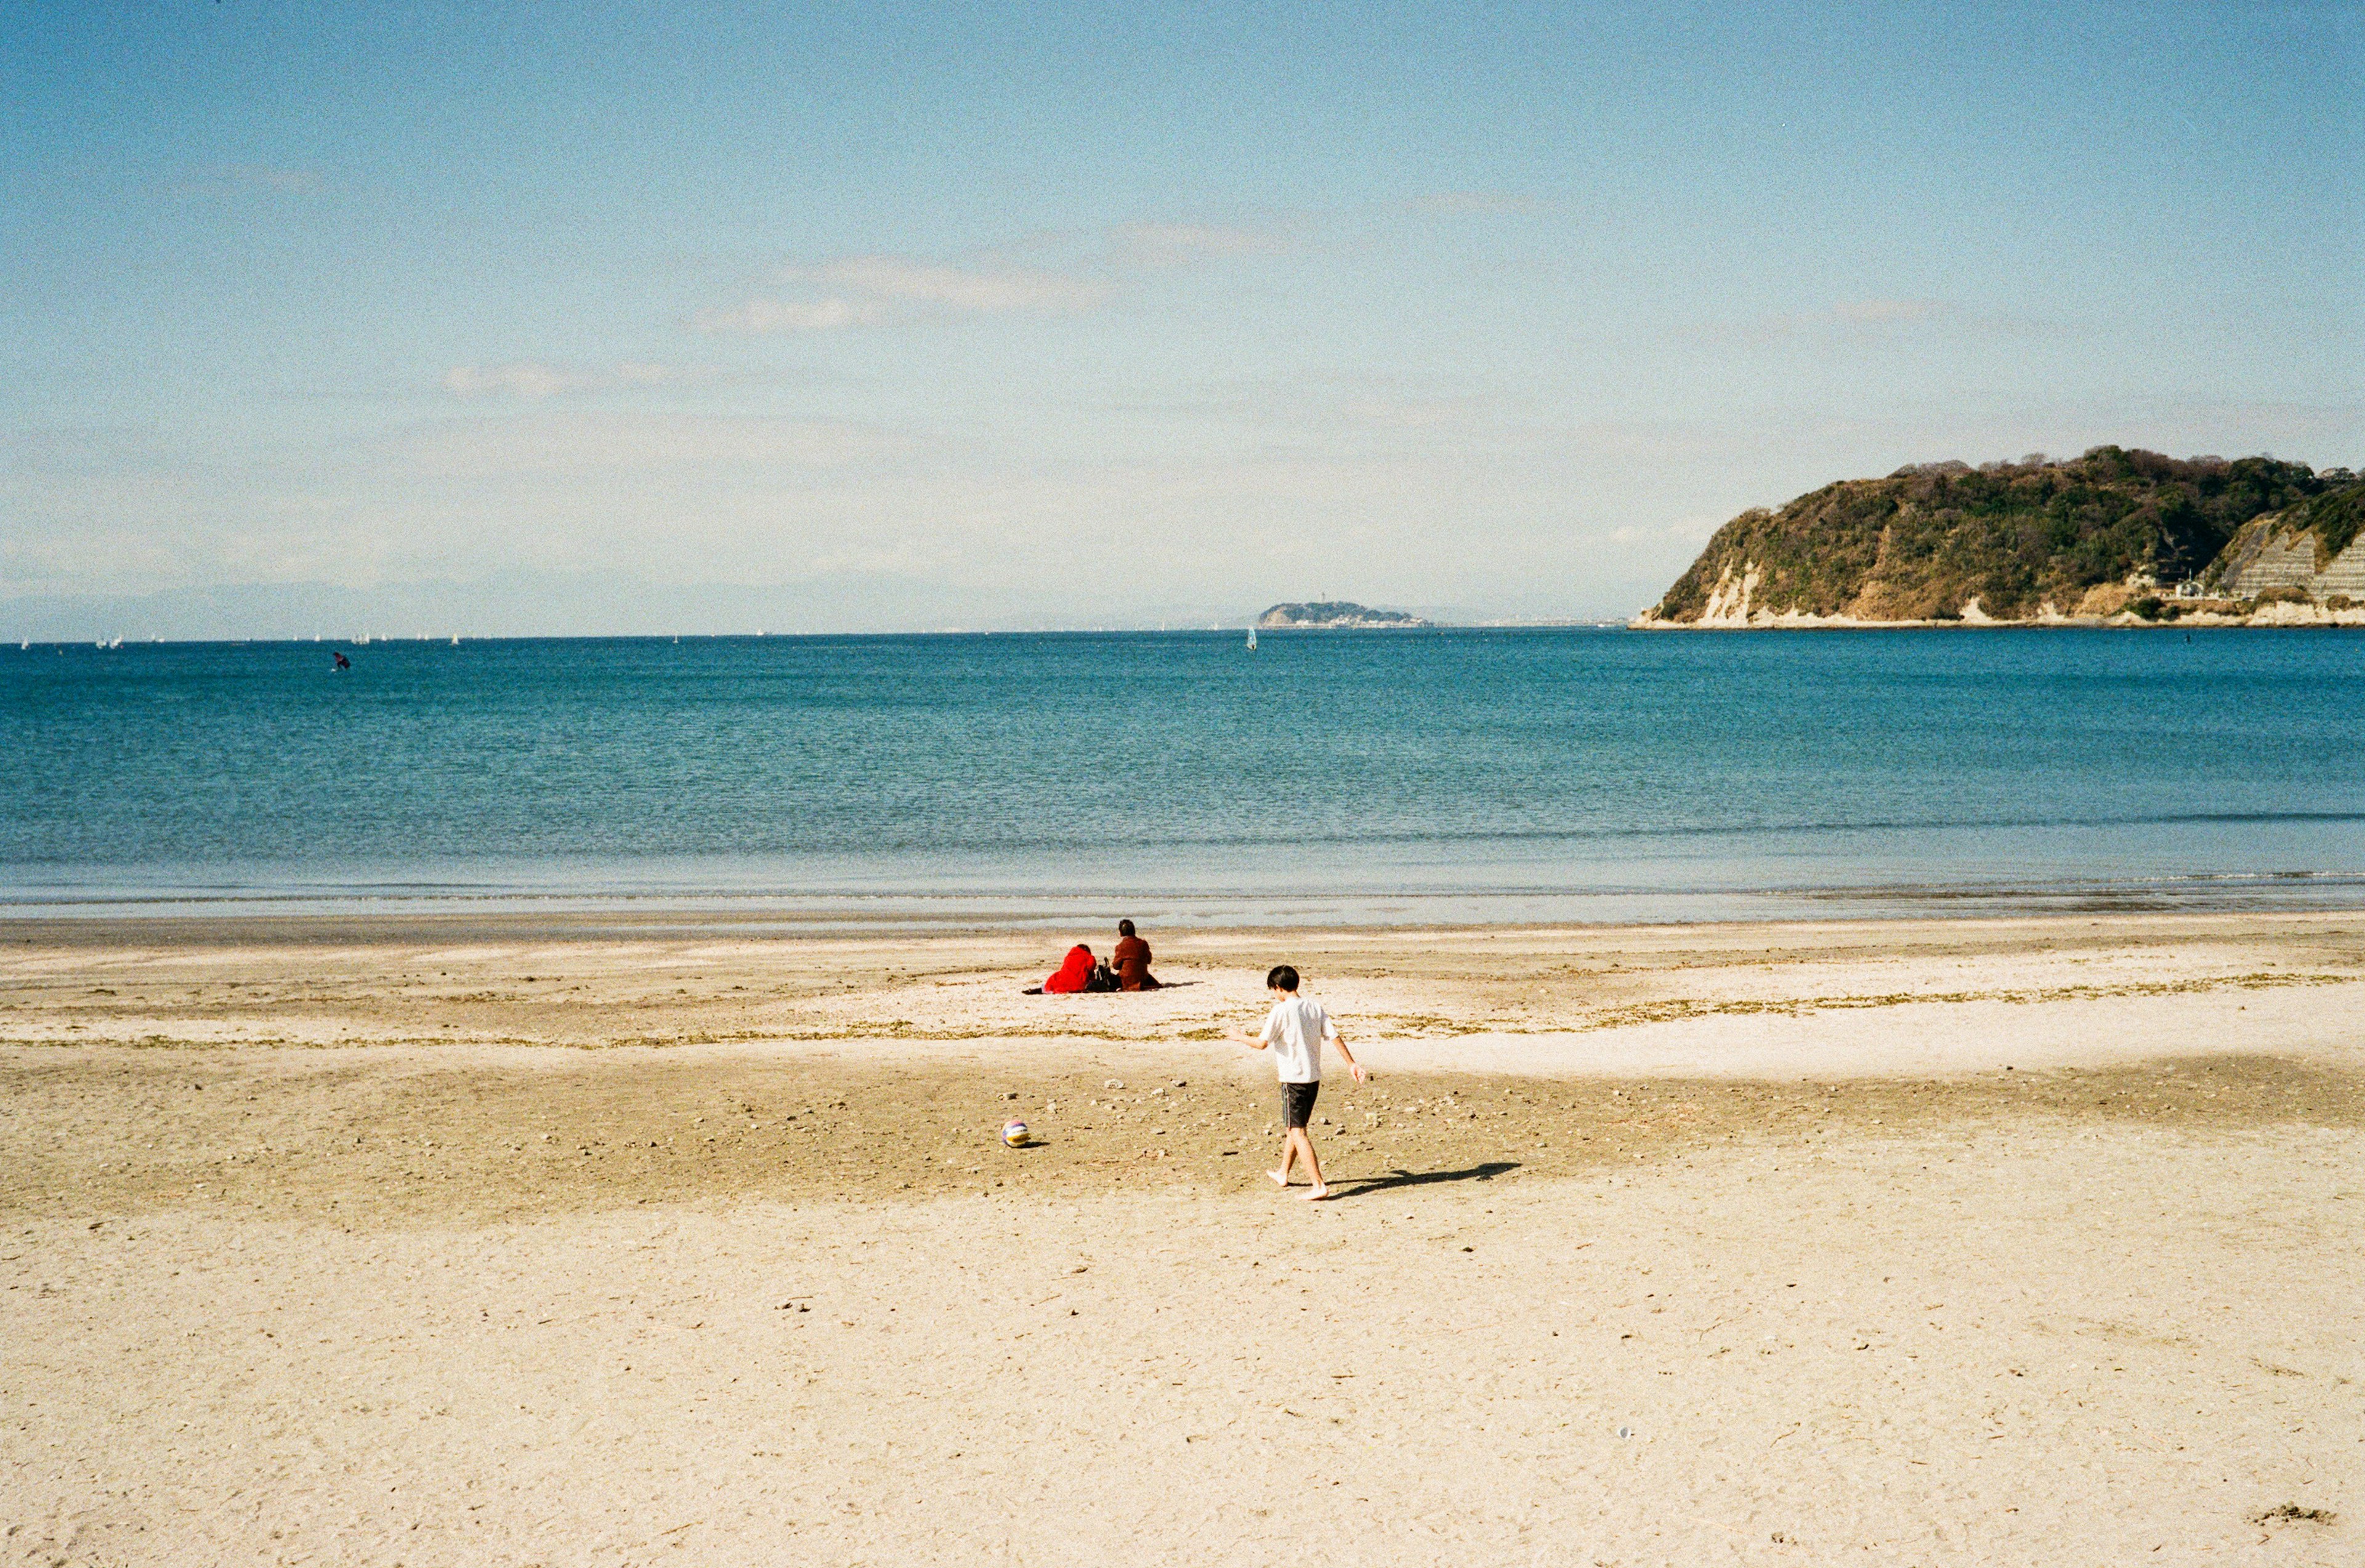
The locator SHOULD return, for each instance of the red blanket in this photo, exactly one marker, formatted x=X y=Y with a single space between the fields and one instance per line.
x=1074 y=972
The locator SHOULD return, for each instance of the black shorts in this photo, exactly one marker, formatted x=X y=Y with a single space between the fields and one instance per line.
x=1297 y=1103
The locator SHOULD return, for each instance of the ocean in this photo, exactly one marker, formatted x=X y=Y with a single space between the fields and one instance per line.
x=1460 y=775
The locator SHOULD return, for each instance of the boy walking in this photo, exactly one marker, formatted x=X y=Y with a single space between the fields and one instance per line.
x=1295 y=1031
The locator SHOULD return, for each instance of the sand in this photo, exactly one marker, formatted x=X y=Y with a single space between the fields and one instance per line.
x=508 y=1240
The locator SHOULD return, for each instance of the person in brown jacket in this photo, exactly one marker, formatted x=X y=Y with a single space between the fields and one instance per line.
x=1131 y=960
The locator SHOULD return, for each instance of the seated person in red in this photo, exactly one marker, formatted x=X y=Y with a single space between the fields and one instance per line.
x=1074 y=974
x=1131 y=960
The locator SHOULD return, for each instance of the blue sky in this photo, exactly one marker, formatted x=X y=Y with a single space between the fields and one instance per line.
x=610 y=318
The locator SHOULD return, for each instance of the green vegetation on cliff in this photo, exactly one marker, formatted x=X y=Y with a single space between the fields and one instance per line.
x=2297 y=548
x=1924 y=542
x=2335 y=517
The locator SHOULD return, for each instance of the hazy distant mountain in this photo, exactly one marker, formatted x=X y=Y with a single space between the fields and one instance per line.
x=1335 y=613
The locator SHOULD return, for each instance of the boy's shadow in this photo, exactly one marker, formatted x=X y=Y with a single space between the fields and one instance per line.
x=1362 y=1186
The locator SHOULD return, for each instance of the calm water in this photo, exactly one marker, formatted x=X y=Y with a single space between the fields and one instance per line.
x=1464 y=775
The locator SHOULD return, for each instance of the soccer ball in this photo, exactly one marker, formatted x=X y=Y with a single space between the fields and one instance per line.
x=1014 y=1134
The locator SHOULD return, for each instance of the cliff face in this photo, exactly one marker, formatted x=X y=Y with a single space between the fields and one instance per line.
x=2313 y=547
x=2026 y=541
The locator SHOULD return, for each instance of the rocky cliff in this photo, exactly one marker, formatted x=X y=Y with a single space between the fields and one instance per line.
x=2107 y=534
x=2313 y=547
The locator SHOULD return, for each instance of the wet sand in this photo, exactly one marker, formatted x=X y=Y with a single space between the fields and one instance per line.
x=595 y=1241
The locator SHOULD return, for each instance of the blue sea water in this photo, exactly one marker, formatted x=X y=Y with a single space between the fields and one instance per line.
x=1455 y=775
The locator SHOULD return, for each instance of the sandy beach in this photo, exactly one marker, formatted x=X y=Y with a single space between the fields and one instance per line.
x=536 y=1239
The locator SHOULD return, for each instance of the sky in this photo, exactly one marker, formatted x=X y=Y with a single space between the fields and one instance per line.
x=605 y=318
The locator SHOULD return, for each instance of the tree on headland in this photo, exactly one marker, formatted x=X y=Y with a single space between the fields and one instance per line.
x=1933 y=537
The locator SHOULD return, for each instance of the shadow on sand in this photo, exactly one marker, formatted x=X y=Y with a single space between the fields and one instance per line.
x=1362 y=1186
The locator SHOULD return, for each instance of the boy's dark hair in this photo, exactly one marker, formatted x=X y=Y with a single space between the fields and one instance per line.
x=1124 y=928
x=1282 y=978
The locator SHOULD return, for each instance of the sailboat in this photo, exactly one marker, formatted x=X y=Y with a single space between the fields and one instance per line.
x=1252 y=639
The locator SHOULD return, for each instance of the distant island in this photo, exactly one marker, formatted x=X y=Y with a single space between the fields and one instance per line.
x=2118 y=536
x=1335 y=614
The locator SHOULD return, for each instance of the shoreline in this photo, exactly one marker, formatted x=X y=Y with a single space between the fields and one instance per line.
x=597 y=922
x=2215 y=890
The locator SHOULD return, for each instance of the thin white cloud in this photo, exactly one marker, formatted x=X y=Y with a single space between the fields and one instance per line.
x=893 y=277
x=790 y=316
x=1862 y=318
x=861 y=291
x=540 y=444
x=1390 y=412
x=1179 y=244
x=1478 y=202
x=1880 y=312
x=878 y=289
x=533 y=380
x=1693 y=530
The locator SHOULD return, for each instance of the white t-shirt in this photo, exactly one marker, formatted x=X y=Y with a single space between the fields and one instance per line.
x=1295 y=1030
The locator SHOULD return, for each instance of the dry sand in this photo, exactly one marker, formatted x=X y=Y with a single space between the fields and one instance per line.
x=559 y=1241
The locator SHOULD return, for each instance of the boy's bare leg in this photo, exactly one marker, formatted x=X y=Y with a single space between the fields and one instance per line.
x=1288 y=1153
x=1304 y=1141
